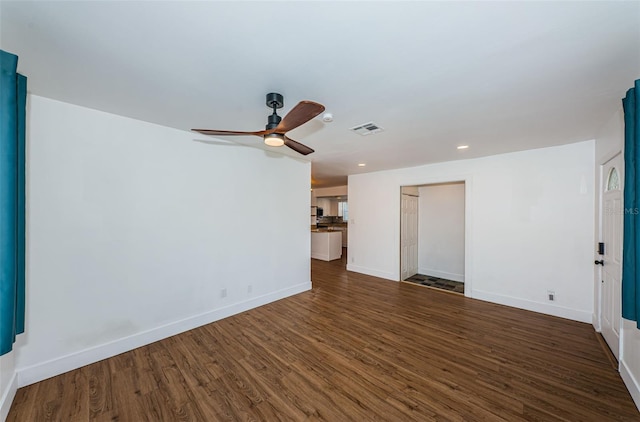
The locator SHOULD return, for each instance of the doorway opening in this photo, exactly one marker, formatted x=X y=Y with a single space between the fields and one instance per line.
x=432 y=235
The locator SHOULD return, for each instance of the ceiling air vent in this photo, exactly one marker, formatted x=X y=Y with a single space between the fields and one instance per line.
x=366 y=129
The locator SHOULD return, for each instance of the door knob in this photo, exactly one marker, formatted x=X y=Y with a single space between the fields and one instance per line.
x=601 y=262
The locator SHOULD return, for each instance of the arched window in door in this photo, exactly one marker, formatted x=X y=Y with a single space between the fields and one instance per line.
x=613 y=181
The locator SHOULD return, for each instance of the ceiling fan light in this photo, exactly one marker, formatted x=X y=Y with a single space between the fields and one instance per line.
x=274 y=140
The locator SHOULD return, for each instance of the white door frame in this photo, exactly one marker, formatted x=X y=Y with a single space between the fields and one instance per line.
x=468 y=223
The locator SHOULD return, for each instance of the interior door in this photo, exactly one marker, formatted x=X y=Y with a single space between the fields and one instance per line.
x=611 y=261
x=409 y=236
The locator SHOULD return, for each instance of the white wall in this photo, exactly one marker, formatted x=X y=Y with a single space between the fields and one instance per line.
x=609 y=142
x=441 y=231
x=135 y=229
x=630 y=358
x=528 y=228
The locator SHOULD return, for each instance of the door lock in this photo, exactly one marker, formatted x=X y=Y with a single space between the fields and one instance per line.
x=601 y=262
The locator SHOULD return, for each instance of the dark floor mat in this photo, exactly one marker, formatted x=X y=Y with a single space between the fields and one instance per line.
x=440 y=283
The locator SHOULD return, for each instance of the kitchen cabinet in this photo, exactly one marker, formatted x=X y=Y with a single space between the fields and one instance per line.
x=326 y=245
x=328 y=205
x=333 y=207
x=325 y=204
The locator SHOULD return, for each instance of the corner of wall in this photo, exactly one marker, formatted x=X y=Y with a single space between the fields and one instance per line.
x=7 y=396
x=630 y=382
x=595 y=321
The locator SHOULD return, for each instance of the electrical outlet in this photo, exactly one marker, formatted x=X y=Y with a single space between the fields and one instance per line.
x=223 y=293
x=551 y=295
x=249 y=288
x=353 y=260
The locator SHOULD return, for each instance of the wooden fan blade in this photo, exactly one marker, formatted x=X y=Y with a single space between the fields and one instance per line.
x=297 y=146
x=230 y=132
x=299 y=115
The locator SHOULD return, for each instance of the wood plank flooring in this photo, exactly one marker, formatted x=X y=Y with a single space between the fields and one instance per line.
x=355 y=348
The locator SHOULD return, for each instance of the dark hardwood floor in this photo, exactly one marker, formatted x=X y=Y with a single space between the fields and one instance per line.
x=354 y=348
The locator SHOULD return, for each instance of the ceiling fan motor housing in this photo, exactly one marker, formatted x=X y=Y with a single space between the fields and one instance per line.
x=274 y=101
x=274 y=120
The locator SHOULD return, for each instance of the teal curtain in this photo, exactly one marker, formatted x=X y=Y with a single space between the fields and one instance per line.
x=631 y=256
x=13 y=95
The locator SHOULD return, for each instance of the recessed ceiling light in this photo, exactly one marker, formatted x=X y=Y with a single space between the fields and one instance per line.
x=463 y=146
x=361 y=164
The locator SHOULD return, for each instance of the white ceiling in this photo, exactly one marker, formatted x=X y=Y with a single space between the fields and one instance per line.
x=498 y=76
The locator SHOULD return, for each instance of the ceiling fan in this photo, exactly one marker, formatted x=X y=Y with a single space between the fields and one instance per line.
x=275 y=132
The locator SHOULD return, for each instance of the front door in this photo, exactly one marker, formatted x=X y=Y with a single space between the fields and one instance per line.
x=611 y=261
x=409 y=236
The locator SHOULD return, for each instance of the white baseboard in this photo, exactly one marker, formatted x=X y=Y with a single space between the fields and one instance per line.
x=442 y=274
x=595 y=321
x=630 y=382
x=325 y=256
x=543 y=308
x=44 y=370
x=7 y=398
x=371 y=271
